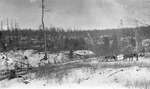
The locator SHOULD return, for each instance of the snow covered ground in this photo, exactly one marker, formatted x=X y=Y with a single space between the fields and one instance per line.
x=85 y=78
x=84 y=75
x=33 y=57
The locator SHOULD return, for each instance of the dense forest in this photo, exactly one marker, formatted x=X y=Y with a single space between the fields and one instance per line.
x=111 y=41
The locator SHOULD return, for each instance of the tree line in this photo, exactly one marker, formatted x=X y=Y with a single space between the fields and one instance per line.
x=102 y=42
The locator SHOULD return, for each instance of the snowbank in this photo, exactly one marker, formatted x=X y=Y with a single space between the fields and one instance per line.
x=85 y=78
x=33 y=57
x=84 y=52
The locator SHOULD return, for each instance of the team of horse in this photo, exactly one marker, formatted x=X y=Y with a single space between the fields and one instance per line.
x=124 y=57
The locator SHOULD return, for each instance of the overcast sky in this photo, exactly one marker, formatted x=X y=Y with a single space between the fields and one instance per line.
x=85 y=14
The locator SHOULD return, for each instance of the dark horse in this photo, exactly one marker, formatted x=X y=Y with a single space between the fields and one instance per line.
x=112 y=57
x=131 y=56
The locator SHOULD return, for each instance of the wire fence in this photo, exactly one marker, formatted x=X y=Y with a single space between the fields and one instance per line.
x=6 y=74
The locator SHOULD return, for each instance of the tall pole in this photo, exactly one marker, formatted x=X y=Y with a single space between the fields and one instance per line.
x=43 y=27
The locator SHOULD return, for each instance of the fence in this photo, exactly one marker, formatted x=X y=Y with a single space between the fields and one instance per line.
x=5 y=74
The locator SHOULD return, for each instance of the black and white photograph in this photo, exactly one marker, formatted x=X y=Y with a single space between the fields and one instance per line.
x=74 y=44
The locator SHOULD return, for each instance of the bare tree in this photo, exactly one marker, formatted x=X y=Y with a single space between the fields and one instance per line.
x=1 y=25
x=43 y=28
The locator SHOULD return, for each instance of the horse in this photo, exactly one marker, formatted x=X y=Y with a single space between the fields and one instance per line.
x=112 y=57
x=131 y=56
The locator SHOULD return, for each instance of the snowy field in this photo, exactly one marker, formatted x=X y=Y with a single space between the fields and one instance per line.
x=80 y=74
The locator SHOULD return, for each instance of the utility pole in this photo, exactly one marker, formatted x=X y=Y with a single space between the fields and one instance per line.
x=43 y=28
